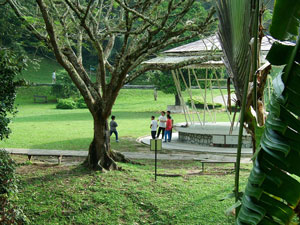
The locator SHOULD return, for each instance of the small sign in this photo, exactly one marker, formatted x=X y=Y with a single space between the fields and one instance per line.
x=157 y=143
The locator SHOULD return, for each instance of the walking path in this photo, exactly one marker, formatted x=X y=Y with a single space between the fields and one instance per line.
x=130 y=155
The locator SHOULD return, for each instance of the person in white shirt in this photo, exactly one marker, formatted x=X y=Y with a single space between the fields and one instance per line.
x=153 y=127
x=162 y=124
x=53 y=77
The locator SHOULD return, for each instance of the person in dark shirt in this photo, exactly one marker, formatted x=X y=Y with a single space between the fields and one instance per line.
x=113 y=127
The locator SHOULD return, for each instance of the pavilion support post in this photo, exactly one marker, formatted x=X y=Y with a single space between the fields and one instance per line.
x=179 y=93
x=186 y=109
x=218 y=81
x=199 y=86
x=190 y=94
x=213 y=102
x=190 y=86
x=205 y=89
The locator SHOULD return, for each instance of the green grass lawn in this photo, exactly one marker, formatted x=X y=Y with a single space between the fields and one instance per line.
x=74 y=195
x=65 y=194
x=42 y=126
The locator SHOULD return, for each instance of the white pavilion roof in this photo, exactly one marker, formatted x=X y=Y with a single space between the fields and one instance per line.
x=212 y=43
x=207 y=44
x=200 y=48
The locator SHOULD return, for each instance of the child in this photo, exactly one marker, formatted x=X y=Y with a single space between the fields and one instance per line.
x=153 y=127
x=168 y=128
x=113 y=127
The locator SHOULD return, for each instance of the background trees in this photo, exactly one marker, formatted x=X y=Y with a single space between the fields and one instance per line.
x=164 y=81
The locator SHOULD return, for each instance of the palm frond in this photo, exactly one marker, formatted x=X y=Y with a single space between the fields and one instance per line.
x=235 y=35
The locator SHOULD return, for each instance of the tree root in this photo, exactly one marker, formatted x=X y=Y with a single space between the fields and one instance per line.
x=114 y=157
x=119 y=157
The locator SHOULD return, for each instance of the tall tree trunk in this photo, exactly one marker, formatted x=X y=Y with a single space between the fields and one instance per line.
x=177 y=99
x=100 y=155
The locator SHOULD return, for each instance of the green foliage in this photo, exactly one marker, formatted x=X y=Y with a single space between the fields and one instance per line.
x=285 y=23
x=199 y=103
x=272 y=195
x=9 y=214
x=144 y=79
x=64 y=86
x=10 y=66
x=68 y=103
x=7 y=174
x=80 y=103
x=164 y=82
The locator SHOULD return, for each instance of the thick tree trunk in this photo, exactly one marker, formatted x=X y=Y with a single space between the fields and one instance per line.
x=177 y=100
x=100 y=156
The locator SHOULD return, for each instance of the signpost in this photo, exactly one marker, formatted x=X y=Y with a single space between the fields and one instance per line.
x=155 y=145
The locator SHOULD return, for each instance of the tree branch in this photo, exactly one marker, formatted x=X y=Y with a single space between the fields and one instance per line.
x=146 y=67
x=30 y=27
x=97 y=45
x=60 y=57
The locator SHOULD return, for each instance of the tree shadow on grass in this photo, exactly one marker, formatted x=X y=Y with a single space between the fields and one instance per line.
x=70 y=144
x=58 y=173
x=127 y=144
x=56 y=117
x=72 y=115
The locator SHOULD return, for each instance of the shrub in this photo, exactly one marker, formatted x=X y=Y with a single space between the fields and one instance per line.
x=80 y=103
x=199 y=103
x=7 y=174
x=64 y=86
x=9 y=214
x=66 y=104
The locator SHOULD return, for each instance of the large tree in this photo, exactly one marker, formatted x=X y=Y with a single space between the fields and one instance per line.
x=140 y=27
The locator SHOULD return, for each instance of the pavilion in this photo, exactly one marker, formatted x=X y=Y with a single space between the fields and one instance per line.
x=197 y=129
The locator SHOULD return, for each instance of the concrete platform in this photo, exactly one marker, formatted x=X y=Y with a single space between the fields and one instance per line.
x=212 y=134
x=219 y=128
x=179 y=146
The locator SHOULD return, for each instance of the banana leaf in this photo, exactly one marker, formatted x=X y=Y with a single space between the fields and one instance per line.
x=272 y=195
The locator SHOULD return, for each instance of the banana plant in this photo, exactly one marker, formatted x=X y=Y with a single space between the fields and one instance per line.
x=272 y=195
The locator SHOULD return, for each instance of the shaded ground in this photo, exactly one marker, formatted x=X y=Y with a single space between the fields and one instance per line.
x=52 y=194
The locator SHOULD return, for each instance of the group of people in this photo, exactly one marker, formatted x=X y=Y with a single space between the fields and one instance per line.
x=164 y=125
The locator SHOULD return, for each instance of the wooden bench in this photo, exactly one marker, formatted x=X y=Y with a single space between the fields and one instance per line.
x=42 y=98
x=55 y=153
x=59 y=157
x=215 y=161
